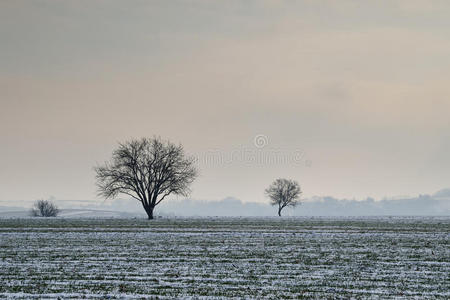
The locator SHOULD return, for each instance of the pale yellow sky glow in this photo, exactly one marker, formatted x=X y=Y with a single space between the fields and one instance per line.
x=359 y=88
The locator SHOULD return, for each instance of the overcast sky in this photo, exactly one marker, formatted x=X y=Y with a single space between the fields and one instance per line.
x=350 y=98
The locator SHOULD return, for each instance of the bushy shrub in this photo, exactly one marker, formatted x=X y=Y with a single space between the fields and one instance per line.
x=44 y=208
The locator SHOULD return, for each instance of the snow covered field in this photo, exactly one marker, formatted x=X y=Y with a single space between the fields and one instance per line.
x=226 y=257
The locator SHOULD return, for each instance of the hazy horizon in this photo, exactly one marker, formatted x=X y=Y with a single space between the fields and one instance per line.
x=434 y=204
x=349 y=98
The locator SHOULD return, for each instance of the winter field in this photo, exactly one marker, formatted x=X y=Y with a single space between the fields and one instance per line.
x=226 y=257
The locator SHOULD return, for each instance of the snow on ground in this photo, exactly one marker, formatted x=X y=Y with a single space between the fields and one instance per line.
x=226 y=257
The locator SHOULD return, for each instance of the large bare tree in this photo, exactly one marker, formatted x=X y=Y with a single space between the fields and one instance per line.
x=147 y=170
x=284 y=192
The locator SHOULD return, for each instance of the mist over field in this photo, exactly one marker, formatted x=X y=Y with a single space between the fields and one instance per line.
x=437 y=204
x=326 y=206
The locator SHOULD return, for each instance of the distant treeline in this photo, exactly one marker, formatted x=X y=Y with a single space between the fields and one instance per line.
x=434 y=205
x=437 y=204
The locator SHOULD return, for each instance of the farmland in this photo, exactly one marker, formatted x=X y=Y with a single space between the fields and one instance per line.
x=389 y=257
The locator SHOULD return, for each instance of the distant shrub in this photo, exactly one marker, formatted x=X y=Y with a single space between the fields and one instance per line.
x=44 y=208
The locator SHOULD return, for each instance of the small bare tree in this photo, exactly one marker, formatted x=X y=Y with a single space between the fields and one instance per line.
x=44 y=208
x=284 y=192
x=147 y=170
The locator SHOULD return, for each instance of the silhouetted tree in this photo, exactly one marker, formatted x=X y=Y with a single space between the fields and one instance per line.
x=44 y=208
x=147 y=170
x=284 y=192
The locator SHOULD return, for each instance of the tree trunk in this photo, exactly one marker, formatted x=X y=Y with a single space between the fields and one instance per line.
x=279 y=211
x=149 y=211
